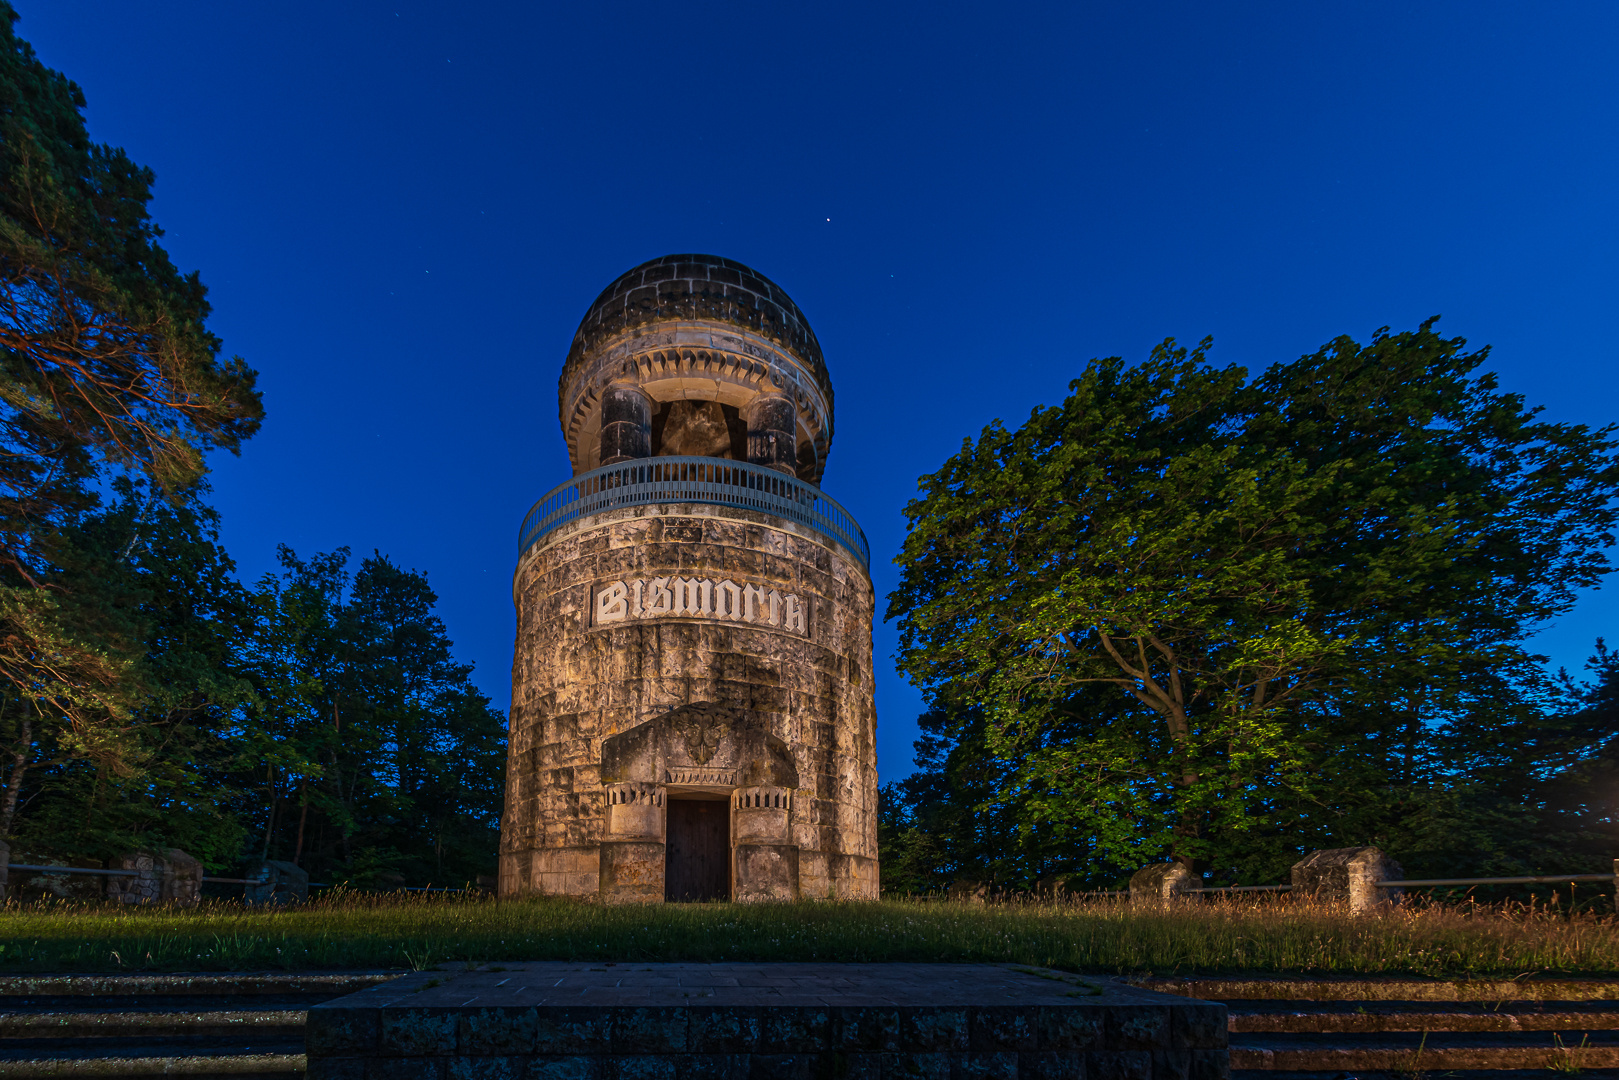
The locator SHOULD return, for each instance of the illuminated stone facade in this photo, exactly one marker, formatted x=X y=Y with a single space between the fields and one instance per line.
x=692 y=708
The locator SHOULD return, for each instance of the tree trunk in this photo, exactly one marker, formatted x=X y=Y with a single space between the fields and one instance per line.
x=19 y=766
x=269 y=826
x=303 y=816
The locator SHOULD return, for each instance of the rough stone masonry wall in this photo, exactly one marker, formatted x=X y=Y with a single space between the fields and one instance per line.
x=574 y=684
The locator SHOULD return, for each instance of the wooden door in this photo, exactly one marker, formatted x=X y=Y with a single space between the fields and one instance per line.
x=697 y=865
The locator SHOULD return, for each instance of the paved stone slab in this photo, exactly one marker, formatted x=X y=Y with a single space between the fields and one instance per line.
x=599 y=1021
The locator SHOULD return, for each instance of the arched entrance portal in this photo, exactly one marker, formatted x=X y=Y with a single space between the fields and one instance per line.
x=699 y=807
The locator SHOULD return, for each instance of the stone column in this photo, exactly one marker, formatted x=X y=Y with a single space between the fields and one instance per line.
x=273 y=881
x=182 y=877
x=146 y=887
x=1337 y=875
x=772 y=433
x=633 y=849
x=1158 y=884
x=766 y=858
x=626 y=427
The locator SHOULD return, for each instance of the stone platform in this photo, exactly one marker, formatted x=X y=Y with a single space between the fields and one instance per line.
x=542 y=1020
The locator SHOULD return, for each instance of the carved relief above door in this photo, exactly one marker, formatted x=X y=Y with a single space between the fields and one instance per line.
x=700 y=744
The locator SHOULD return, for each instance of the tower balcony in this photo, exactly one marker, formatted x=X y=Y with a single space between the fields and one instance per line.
x=701 y=480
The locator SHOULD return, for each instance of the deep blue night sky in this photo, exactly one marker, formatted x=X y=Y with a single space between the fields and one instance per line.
x=403 y=209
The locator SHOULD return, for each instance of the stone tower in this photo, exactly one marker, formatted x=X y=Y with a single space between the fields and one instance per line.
x=692 y=688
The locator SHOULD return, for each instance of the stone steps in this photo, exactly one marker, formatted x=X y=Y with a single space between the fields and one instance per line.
x=1471 y=1029
x=197 y=1026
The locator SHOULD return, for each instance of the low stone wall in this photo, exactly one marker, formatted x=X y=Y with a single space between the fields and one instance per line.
x=739 y=1021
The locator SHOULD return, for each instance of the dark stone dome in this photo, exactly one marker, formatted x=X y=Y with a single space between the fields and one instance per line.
x=698 y=287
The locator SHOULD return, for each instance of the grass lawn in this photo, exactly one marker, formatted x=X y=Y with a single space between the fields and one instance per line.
x=368 y=931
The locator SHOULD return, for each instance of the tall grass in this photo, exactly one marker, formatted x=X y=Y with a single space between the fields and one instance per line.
x=399 y=931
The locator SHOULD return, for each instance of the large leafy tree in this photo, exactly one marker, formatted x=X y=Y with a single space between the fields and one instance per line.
x=1191 y=605
x=105 y=364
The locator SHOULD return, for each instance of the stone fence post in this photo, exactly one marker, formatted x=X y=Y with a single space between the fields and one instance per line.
x=276 y=882
x=146 y=887
x=1338 y=875
x=967 y=891
x=182 y=878
x=172 y=876
x=1160 y=883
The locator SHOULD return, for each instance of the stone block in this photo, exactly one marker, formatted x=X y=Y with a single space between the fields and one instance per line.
x=565 y=1068
x=968 y=892
x=490 y=1067
x=930 y=1029
x=649 y=1031
x=145 y=887
x=724 y=1031
x=1161 y=883
x=182 y=878
x=864 y=1029
x=1137 y=1027
x=914 y=1066
x=1007 y=1028
x=275 y=882
x=823 y=1020
x=1346 y=876
x=1198 y=1027
x=632 y=872
x=1069 y=1029
x=1118 y=1065
x=1209 y=1064
x=795 y=1030
x=498 y=1031
x=417 y=1032
x=332 y=1032
x=987 y=1066
x=408 y=1069
x=639 y=1067
x=567 y=1032
x=713 y=1066
x=1051 y=1065
x=1171 y=1064
x=333 y=1068
x=766 y=872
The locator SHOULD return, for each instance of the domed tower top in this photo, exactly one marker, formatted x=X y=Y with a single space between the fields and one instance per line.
x=696 y=355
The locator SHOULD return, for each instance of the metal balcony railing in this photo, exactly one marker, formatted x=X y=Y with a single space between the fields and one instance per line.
x=709 y=481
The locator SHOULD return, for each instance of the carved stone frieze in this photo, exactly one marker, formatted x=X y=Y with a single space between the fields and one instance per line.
x=699 y=598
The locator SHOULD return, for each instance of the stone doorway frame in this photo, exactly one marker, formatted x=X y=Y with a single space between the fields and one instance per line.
x=679 y=794
x=708 y=749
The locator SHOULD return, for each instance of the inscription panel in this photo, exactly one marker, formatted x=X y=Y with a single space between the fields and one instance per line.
x=699 y=598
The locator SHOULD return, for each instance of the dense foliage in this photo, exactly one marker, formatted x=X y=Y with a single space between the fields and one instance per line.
x=317 y=716
x=147 y=697
x=106 y=368
x=1229 y=619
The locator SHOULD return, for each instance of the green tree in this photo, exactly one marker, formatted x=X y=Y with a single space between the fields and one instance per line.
x=105 y=365
x=381 y=763
x=158 y=570
x=1184 y=598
